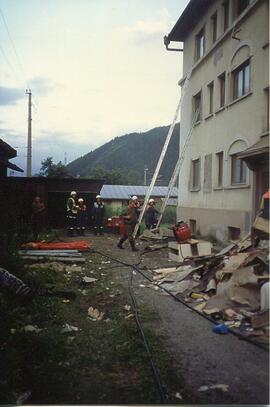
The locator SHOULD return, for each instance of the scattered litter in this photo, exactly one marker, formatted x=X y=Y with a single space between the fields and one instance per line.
x=220 y=329
x=95 y=314
x=31 y=328
x=23 y=397
x=88 y=280
x=84 y=292
x=127 y=307
x=142 y=285
x=129 y=316
x=65 y=301
x=12 y=331
x=223 y=387
x=69 y=328
x=111 y=295
x=178 y=396
x=107 y=320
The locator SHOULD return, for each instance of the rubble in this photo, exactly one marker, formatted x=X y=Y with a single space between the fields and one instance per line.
x=231 y=286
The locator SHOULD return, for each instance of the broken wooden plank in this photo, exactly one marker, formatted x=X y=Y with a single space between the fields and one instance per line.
x=260 y=320
x=226 y=250
x=56 y=258
x=48 y=251
x=51 y=254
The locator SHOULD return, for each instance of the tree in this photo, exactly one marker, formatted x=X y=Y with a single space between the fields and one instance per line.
x=51 y=170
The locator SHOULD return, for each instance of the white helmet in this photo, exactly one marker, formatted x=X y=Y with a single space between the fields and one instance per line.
x=80 y=200
x=151 y=200
x=73 y=193
x=98 y=196
x=134 y=198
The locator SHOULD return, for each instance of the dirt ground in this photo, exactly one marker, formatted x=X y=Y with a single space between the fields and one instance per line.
x=202 y=357
x=105 y=362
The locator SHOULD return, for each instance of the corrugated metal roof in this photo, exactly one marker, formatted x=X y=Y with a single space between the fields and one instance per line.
x=127 y=191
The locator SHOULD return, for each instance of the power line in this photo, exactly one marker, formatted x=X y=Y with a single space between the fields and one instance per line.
x=12 y=43
x=9 y=64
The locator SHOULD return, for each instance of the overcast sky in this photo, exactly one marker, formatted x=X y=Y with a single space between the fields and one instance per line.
x=97 y=69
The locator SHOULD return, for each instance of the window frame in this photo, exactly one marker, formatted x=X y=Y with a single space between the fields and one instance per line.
x=198 y=44
x=239 y=76
x=243 y=174
x=210 y=88
x=195 y=106
x=195 y=183
x=220 y=169
x=226 y=14
x=214 y=21
x=222 y=89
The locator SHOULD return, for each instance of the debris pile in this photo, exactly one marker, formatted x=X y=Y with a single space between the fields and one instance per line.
x=231 y=287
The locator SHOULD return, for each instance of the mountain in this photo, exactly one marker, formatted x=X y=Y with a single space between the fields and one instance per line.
x=129 y=155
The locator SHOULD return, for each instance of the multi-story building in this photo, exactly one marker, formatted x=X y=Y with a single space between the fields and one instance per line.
x=225 y=170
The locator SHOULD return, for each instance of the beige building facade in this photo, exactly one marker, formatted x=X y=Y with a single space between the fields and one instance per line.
x=226 y=43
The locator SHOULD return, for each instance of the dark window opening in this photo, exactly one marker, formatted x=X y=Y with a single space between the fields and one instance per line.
x=214 y=27
x=234 y=233
x=222 y=90
x=197 y=105
x=211 y=96
x=192 y=224
x=238 y=170
x=225 y=15
x=241 y=80
x=199 y=45
x=220 y=169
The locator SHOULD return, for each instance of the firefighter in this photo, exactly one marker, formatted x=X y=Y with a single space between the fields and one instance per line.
x=72 y=210
x=38 y=211
x=130 y=216
x=99 y=213
x=81 y=217
x=151 y=215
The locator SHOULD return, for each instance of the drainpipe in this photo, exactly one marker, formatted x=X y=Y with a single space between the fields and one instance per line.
x=167 y=43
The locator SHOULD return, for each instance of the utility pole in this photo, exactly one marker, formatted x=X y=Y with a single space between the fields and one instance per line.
x=65 y=159
x=29 y=138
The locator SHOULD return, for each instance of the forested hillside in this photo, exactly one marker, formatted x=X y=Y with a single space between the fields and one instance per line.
x=124 y=158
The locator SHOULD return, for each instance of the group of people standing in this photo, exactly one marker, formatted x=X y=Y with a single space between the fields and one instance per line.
x=77 y=215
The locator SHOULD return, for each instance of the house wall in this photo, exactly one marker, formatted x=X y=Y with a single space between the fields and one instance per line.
x=230 y=129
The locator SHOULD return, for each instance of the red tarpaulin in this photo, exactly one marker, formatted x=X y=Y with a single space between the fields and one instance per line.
x=81 y=245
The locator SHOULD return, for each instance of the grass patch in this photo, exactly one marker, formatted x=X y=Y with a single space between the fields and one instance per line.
x=104 y=362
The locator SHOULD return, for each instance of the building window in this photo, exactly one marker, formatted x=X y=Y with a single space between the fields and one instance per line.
x=241 y=80
x=199 y=45
x=238 y=170
x=226 y=15
x=211 y=96
x=192 y=224
x=195 y=174
x=197 y=106
x=222 y=89
x=220 y=159
x=241 y=5
x=233 y=233
x=266 y=92
x=214 y=27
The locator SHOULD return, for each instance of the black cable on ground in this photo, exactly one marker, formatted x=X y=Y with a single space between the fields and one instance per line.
x=136 y=267
x=139 y=325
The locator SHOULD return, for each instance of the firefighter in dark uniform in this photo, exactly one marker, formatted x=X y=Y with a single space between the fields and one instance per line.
x=99 y=213
x=81 y=217
x=151 y=215
x=38 y=211
x=72 y=210
x=130 y=216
